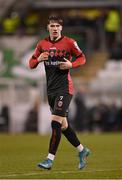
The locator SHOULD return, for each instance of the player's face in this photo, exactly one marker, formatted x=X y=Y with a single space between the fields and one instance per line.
x=54 y=29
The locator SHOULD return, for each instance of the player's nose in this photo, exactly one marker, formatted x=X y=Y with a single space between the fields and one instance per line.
x=55 y=27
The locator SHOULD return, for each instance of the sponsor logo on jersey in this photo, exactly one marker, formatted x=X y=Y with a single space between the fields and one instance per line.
x=52 y=63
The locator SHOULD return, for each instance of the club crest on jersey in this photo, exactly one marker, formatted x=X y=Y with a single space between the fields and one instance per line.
x=52 y=51
x=60 y=103
x=77 y=47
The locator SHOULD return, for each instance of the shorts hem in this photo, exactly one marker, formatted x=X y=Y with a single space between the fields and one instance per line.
x=59 y=115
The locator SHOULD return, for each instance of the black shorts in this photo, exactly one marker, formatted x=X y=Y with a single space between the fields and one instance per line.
x=59 y=104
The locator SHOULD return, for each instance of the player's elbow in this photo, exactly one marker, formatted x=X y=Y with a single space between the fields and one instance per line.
x=32 y=64
x=83 y=61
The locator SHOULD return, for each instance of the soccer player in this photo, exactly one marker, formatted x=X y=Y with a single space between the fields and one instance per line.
x=56 y=52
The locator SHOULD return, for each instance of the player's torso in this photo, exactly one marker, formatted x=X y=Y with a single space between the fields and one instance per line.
x=57 y=80
x=57 y=51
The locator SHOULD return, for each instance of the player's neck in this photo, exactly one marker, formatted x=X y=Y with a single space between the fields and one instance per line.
x=55 y=38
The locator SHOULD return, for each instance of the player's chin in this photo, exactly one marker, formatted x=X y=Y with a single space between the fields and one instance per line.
x=55 y=35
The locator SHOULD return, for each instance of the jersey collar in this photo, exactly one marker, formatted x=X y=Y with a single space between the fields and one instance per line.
x=55 y=41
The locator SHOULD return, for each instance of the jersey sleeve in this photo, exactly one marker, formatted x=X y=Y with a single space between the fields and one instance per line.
x=33 y=62
x=77 y=52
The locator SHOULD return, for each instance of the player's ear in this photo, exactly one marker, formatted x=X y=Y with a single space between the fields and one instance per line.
x=61 y=28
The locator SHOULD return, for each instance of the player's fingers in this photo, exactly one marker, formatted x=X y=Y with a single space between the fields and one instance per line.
x=61 y=63
x=45 y=56
x=46 y=53
x=45 y=59
x=66 y=59
x=63 y=67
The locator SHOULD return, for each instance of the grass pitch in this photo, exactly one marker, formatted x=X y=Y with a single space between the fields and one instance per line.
x=19 y=155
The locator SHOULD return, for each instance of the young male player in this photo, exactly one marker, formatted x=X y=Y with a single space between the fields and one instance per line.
x=56 y=52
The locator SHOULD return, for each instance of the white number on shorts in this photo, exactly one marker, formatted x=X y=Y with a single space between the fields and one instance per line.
x=61 y=97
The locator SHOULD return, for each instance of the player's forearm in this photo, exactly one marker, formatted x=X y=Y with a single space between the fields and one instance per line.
x=33 y=63
x=79 y=61
x=35 y=60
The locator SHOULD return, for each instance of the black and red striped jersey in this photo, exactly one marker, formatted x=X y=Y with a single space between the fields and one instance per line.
x=58 y=81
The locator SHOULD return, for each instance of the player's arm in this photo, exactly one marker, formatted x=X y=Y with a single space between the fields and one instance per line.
x=65 y=65
x=37 y=57
x=80 y=58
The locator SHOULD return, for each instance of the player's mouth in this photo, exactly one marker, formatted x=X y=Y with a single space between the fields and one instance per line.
x=55 y=33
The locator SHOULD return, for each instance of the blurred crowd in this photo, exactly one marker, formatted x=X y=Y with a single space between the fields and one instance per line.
x=101 y=117
x=96 y=25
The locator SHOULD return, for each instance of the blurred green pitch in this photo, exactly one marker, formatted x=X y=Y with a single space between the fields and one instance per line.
x=19 y=155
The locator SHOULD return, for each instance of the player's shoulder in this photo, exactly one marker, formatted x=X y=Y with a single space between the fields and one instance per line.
x=41 y=41
x=69 y=39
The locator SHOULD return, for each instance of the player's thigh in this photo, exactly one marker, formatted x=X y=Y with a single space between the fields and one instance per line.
x=64 y=124
x=61 y=105
x=61 y=120
x=51 y=102
x=57 y=118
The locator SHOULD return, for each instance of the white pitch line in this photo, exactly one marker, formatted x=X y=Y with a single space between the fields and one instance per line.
x=44 y=172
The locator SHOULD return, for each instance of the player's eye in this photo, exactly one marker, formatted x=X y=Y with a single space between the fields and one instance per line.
x=54 y=25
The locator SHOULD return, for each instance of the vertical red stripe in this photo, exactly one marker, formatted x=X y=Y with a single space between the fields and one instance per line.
x=53 y=141
x=70 y=84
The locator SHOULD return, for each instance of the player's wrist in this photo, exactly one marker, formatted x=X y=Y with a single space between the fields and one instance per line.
x=71 y=65
x=40 y=59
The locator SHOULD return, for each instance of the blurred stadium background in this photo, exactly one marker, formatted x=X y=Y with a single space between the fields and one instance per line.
x=97 y=27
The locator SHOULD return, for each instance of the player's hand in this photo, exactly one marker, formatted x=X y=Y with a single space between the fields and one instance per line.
x=43 y=56
x=65 y=65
